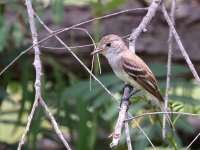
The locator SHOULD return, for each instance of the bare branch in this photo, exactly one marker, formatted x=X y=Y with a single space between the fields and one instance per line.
x=122 y=113
x=54 y=123
x=155 y=113
x=193 y=141
x=177 y=38
x=80 y=46
x=142 y=132
x=127 y=132
x=30 y=117
x=142 y=27
x=66 y=29
x=74 y=55
x=89 y=72
x=92 y=75
x=38 y=68
x=170 y=40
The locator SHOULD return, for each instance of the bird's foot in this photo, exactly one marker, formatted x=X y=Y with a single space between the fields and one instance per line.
x=128 y=97
x=123 y=100
x=127 y=85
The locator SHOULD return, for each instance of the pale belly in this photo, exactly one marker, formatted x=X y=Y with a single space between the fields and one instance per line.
x=128 y=79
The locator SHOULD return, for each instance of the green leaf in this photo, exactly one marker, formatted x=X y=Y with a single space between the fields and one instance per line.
x=101 y=99
x=17 y=33
x=160 y=69
x=185 y=99
x=57 y=11
x=111 y=112
x=184 y=124
x=110 y=6
x=4 y=36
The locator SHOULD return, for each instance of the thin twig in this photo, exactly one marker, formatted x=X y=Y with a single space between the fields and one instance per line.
x=170 y=40
x=74 y=55
x=74 y=47
x=66 y=29
x=102 y=17
x=54 y=123
x=143 y=25
x=155 y=113
x=192 y=141
x=38 y=68
x=88 y=71
x=142 y=131
x=177 y=38
x=91 y=74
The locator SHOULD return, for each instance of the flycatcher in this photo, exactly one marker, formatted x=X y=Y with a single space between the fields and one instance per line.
x=131 y=69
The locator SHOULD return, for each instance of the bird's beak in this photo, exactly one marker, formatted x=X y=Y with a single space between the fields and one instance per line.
x=96 y=51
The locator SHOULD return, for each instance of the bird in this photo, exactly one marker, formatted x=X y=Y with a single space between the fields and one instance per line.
x=131 y=69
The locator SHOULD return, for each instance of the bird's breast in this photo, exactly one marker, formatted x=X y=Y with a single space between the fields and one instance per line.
x=118 y=70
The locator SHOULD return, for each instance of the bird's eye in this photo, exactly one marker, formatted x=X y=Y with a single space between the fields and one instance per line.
x=108 y=44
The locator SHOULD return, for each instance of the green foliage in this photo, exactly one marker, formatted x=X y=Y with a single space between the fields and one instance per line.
x=110 y=5
x=86 y=116
x=82 y=111
x=57 y=11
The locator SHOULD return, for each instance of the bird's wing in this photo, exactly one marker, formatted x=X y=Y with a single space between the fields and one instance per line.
x=139 y=71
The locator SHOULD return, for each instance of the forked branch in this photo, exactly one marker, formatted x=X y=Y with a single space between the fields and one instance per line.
x=38 y=68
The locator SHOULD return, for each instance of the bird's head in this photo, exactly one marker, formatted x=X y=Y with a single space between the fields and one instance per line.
x=109 y=45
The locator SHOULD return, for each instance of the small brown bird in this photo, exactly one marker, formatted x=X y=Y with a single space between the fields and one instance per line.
x=131 y=69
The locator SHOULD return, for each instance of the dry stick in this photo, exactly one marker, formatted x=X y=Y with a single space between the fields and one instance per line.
x=192 y=141
x=177 y=38
x=127 y=132
x=106 y=16
x=92 y=75
x=30 y=117
x=143 y=133
x=170 y=40
x=38 y=68
x=73 y=47
x=142 y=27
x=78 y=58
x=54 y=123
x=65 y=29
x=81 y=46
x=122 y=113
x=42 y=23
x=155 y=113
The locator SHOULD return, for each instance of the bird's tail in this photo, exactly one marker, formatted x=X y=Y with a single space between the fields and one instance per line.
x=162 y=107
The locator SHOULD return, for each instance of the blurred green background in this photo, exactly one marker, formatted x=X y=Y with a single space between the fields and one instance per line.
x=86 y=118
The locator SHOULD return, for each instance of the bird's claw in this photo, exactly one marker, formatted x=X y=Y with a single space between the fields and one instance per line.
x=128 y=97
x=127 y=85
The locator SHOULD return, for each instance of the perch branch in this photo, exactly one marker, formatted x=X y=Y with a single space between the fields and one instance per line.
x=170 y=40
x=142 y=27
x=127 y=132
x=122 y=114
x=90 y=73
x=177 y=38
